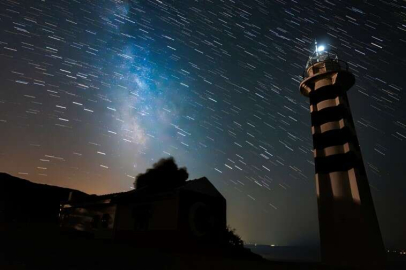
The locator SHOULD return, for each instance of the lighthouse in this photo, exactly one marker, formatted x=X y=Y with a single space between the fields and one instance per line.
x=349 y=229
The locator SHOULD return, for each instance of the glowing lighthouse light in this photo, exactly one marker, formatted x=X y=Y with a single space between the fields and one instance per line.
x=321 y=48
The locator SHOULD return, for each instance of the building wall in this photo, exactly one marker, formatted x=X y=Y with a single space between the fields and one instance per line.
x=148 y=216
x=202 y=217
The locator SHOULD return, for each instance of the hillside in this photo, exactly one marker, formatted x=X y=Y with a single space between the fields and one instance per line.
x=24 y=201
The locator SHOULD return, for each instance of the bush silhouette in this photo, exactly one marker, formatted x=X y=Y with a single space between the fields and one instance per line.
x=163 y=175
x=232 y=239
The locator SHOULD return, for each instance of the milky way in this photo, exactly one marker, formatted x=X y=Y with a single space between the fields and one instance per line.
x=93 y=92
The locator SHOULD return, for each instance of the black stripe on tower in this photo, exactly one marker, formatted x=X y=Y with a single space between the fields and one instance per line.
x=337 y=162
x=330 y=114
x=324 y=93
x=334 y=137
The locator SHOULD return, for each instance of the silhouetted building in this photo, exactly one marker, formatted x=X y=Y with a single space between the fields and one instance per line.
x=349 y=229
x=193 y=211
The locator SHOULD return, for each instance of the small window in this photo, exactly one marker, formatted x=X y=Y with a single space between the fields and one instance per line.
x=95 y=221
x=105 y=220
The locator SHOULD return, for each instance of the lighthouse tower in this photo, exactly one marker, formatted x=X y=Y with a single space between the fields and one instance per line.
x=349 y=229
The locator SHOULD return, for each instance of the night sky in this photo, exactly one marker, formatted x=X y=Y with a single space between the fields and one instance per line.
x=92 y=93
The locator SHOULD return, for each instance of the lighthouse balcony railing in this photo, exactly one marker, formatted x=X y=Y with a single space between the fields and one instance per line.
x=330 y=65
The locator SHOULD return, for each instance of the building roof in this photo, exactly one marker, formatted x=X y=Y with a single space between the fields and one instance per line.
x=201 y=185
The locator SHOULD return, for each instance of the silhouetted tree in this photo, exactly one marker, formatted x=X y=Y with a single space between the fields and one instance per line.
x=231 y=238
x=163 y=174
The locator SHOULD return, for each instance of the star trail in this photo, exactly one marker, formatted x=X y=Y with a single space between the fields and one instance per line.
x=94 y=92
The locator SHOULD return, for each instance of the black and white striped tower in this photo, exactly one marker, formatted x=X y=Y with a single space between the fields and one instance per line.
x=349 y=229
